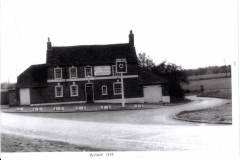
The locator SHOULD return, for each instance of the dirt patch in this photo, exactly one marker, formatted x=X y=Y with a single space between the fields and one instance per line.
x=219 y=114
x=13 y=143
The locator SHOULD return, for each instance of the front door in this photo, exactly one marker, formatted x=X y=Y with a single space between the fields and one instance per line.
x=89 y=92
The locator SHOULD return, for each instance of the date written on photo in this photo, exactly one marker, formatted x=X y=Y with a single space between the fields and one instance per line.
x=108 y=154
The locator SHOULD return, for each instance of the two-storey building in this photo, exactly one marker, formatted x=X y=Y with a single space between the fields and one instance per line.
x=82 y=74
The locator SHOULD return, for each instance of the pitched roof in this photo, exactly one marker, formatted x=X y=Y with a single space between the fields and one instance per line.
x=33 y=76
x=90 y=54
x=148 y=78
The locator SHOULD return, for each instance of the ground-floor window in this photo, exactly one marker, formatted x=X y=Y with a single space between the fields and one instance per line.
x=74 y=90
x=117 y=90
x=59 y=91
x=104 y=90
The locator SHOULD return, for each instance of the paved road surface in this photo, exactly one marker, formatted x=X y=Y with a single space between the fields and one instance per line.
x=135 y=130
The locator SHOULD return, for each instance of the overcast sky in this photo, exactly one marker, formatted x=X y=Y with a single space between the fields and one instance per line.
x=190 y=33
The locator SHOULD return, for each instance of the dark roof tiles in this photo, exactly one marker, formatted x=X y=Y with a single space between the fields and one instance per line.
x=34 y=76
x=148 y=78
x=90 y=54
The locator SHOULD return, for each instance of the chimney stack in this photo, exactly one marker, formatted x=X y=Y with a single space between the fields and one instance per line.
x=131 y=38
x=49 y=44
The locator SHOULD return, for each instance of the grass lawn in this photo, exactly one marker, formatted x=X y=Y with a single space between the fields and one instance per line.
x=220 y=114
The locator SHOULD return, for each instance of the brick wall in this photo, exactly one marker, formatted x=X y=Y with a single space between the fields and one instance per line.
x=131 y=70
x=47 y=94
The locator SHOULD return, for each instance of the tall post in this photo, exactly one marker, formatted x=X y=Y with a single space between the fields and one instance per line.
x=122 y=88
x=121 y=67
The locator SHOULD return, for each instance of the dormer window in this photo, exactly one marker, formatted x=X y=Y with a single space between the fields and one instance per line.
x=88 y=71
x=73 y=72
x=58 y=73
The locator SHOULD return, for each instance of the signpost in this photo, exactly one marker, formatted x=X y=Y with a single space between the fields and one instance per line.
x=121 y=67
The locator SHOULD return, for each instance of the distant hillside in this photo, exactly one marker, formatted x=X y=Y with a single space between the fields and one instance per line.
x=209 y=76
x=224 y=70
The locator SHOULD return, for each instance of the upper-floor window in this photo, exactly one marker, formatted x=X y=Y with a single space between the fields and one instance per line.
x=59 y=90
x=117 y=88
x=104 y=90
x=74 y=90
x=114 y=71
x=73 y=72
x=58 y=73
x=88 y=71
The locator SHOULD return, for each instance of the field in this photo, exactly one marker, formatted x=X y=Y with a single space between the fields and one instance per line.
x=209 y=76
x=209 y=84
x=214 y=86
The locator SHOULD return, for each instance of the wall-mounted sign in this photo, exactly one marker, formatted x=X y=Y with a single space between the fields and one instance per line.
x=102 y=70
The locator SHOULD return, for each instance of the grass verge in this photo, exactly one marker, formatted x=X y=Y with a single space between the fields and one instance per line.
x=13 y=143
x=216 y=115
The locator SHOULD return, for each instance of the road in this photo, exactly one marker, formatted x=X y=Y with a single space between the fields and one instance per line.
x=132 y=130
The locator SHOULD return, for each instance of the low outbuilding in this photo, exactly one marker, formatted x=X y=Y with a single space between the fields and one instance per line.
x=155 y=89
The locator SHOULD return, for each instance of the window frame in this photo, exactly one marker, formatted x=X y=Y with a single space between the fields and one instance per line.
x=70 y=73
x=71 y=90
x=85 y=71
x=61 y=95
x=55 y=72
x=114 y=88
x=106 y=90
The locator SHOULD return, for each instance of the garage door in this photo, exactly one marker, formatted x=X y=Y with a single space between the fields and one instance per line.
x=152 y=94
x=24 y=96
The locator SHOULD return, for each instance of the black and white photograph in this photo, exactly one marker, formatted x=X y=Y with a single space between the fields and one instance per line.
x=118 y=79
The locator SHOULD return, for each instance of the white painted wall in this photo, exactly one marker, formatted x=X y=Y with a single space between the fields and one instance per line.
x=152 y=94
x=24 y=96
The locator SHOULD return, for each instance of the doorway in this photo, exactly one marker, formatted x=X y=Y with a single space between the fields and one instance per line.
x=89 y=92
x=24 y=96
